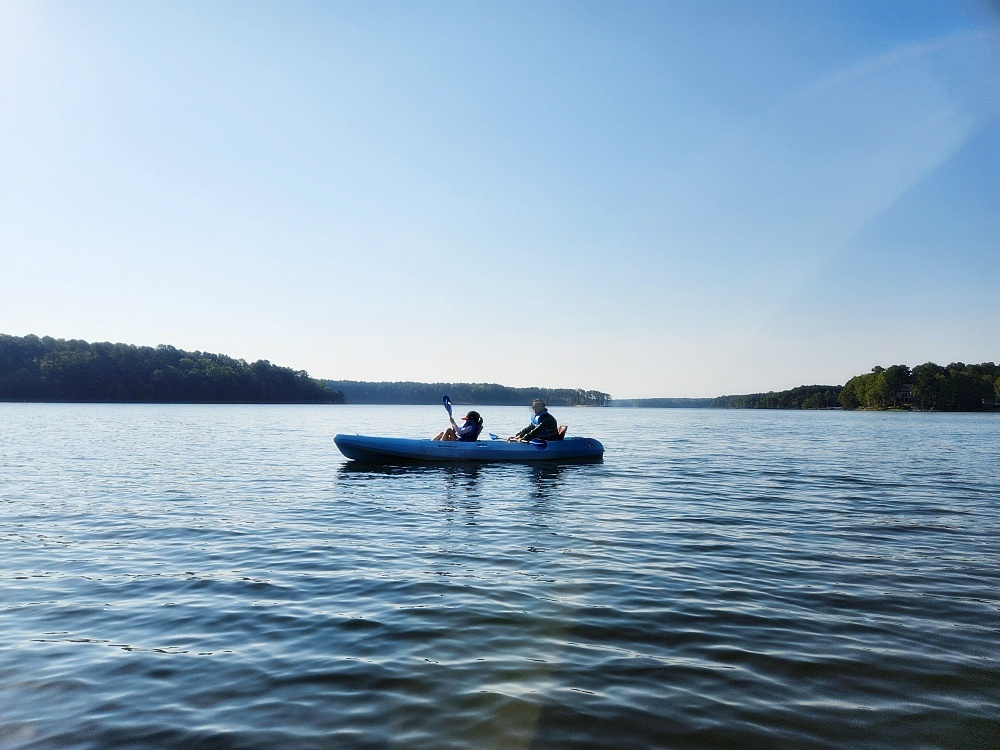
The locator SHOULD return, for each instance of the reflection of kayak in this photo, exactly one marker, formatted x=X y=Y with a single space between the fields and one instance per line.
x=386 y=450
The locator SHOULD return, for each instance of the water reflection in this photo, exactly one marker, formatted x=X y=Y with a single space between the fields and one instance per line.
x=542 y=474
x=466 y=479
x=455 y=475
x=462 y=479
x=350 y=469
x=459 y=486
x=545 y=480
x=462 y=491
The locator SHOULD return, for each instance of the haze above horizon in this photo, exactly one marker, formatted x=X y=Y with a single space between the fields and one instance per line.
x=647 y=199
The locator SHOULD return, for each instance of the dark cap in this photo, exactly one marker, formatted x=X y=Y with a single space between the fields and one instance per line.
x=474 y=416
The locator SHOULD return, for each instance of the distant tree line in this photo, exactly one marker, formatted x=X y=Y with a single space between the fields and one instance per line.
x=957 y=387
x=803 y=397
x=662 y=403
x=481 y=394
x=48 y=369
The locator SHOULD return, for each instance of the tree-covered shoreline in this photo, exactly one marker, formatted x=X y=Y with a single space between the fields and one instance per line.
x=480 y=394
x=956 y=387
x=802 y=397
x=661 y=403
x=927 y=387
x=59 y=370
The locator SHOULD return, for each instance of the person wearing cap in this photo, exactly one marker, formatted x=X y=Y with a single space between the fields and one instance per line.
x=543 y=425
x=467 y=433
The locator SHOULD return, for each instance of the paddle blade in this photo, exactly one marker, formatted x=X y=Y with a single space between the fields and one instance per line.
x=447 y=405
x=493 y=437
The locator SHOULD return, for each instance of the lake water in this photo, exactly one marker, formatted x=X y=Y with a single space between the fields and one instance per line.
x=220 y=577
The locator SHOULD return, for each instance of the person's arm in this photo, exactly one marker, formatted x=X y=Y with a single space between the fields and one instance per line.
x=520 y=435
x=528 y=432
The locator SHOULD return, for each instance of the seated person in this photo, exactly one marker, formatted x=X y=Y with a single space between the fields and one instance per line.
x=467 y=433
x=543 y=425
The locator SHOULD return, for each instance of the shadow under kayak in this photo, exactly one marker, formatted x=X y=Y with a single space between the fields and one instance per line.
x=385 y=450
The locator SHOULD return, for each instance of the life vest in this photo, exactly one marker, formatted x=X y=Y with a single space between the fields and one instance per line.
x=465 y=435
x=549 y=433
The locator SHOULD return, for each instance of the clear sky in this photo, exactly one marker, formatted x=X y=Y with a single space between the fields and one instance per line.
x=645 y=198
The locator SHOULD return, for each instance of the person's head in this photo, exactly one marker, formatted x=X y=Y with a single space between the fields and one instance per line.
x=538 y=406
x=473 y=416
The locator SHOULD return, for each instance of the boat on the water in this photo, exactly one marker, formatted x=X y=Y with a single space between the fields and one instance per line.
x=368 y=449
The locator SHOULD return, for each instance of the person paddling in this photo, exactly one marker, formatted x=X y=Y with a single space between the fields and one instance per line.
x=467 y=433
x=543 y=425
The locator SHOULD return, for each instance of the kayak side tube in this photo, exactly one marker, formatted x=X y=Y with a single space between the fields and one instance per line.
x=368 y=449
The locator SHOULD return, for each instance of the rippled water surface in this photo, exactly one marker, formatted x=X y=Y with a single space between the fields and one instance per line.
x=220 y=577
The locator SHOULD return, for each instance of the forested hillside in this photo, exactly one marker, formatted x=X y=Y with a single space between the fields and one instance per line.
x=662 y=403
x=803 y=397
x=957 y=387
x=481 y=394
x=48 y=369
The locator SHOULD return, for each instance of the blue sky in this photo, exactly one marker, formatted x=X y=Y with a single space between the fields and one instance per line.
x=647 y=198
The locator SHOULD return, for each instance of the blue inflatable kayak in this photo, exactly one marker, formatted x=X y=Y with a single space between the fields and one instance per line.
x=388 y=450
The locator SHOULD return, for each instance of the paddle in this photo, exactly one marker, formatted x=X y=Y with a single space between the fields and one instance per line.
x=447 y=405
x=536 y=443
